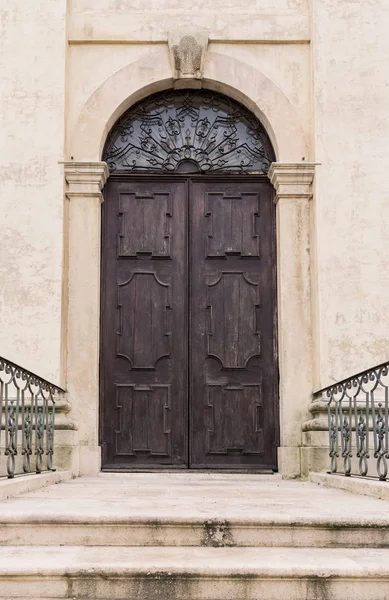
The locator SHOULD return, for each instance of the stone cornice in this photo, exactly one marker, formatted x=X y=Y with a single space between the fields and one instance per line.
x=85 y=179
x=292 y=180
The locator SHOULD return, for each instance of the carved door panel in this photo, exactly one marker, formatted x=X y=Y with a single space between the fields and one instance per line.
x=233 y=417
x=144 y=412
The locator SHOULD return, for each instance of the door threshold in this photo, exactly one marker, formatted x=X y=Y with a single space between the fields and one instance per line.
x=201 y=471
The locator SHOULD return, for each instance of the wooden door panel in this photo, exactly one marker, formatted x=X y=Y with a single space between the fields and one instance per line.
x=233 y=305
x=231 y=222
x=145 y=224
x=234 y=423
x=144 y=316
x=144 y=305
x=144 y=420
x=233 y=396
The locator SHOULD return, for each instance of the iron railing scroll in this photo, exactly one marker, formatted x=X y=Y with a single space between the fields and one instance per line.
x=358 y=423
x=27 y=420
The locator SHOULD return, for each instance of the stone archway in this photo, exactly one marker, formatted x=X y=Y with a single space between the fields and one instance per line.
x=188 y=363
x=292 y=179
x=152 y=73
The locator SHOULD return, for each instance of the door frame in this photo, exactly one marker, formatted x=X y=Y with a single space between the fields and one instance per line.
x=292 y=176
x=293 y=183
x=125 y=176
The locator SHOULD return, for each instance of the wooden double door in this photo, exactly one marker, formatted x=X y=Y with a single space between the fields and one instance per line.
x=188 y=371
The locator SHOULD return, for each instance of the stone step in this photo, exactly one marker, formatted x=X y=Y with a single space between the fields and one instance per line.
x=79 y=530
x=144 y=509
x=118 y=573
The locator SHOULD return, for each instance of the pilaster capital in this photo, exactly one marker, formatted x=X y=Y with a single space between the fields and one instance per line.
x=85 y=179
x=292 y=180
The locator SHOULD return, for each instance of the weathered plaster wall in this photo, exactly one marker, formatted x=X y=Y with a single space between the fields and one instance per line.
x=106 y=35
x=32 y=75
x=150 y=20
x=247 y=72
x=288 y=66
x=351 y=99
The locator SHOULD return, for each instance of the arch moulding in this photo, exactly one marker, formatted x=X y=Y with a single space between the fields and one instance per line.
x=152 y=73
x=292 y=179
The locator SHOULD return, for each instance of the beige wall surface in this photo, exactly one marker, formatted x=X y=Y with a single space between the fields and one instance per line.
x=103 y=80
x=288 y=66
x=150 y=20
x=32 y=67
x=351 y=111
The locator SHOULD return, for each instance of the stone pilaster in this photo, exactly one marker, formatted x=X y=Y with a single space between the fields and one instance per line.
x=84 y=183
x=293 y=186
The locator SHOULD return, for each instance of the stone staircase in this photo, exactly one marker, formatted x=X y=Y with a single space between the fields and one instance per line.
x=193 y=536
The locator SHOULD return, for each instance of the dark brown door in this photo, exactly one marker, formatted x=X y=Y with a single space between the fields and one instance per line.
x=188 y=334
x=144 y=324
x=232 y=360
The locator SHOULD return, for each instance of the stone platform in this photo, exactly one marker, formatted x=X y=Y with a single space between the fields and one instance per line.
x=192 y=536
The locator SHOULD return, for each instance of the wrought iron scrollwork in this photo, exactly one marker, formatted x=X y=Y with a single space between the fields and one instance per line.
x=188 y=131
x=358 y=421
x=27 y=413
x=11 y=438
x=333 y=440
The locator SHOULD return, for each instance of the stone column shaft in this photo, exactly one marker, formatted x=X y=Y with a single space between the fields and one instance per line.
x=293 y=185
x=84 y=184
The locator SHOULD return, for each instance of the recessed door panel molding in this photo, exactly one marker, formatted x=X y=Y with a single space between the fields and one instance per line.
x=143 y=421
x=144 y=328
x=145 y=225
x=227 y=435
x=233 y=305
x=232 y=224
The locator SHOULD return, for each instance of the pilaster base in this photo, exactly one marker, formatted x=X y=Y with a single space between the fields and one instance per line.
x=90 y=461
x=289 y=462
x=314 y=459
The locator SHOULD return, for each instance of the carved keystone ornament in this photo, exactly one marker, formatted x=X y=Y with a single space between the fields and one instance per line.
x=187 y=51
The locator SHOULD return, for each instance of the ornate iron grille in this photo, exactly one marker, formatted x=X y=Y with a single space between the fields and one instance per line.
x=358 y=422
x=27 y=413
x=188 y=131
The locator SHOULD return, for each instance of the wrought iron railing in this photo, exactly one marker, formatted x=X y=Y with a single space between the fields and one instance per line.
x=358 y=420
x=27 y=420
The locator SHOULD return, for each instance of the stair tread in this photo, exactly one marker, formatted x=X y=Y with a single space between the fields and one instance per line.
x=53 y=515
x=194 y=499
x=27 y=561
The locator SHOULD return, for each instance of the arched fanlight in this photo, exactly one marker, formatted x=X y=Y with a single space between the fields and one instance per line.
x=188 y=131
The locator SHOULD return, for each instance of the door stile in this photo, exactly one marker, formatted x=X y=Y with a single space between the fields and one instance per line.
x=189 y=313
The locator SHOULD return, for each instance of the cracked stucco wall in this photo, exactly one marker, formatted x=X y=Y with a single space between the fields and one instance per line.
x=351 y=134
x=32 y=74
